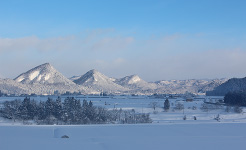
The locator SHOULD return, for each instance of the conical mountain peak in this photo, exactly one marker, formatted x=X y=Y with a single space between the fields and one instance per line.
x=44 y=74
x=98 y=81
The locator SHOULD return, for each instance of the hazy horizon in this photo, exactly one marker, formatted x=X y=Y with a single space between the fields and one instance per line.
x=157 y=40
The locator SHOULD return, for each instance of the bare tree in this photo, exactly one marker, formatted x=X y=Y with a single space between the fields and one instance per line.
x=238 y=109
x=228 y=108
x=204 y=107
x=179 y=106
x=153 y=105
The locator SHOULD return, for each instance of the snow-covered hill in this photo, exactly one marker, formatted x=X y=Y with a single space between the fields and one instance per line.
x=43 y=74
x=134 y=82
x=98 y=81
x=10 y=86
x=192 y=86
x=45 y=79
x=234 y=84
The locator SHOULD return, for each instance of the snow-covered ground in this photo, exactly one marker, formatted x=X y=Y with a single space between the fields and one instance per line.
x=168 y=131
x=205 y=136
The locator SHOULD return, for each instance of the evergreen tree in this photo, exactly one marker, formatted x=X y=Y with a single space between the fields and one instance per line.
x=41 y=111
x=90 y=104
x=58 y=108
x=166 y=105
x=26 y=109
x=49 y=107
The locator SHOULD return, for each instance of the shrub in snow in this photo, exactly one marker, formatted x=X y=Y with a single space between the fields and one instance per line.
x=65 y=136
x=238 y=109
x=204 y=107
x=228 y=109
x=179 y=106
x=217 y=117
x=155 y=112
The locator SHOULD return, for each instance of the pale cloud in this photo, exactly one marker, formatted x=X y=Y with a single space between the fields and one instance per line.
x=192 y=65
x=200 y=64
x=119 y=61
x=175 y=56
x=35 y=43
x=97 y=40
x=8 y=44
x=112 y=44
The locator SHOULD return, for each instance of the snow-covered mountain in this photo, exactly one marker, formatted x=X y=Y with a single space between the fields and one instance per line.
x=98 y=81
x=192 y=85
x=212 y=85
x=234 y=84
x=10 y=86
x=134 y=82
x=45 y=79
x=43 y=74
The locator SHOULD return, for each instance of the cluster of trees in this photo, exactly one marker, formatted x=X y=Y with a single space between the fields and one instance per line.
x=235 y=98
x=206 y=107
x=70 y=111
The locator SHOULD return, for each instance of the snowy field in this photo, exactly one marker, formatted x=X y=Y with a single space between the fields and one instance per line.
x=168 y=131
x=211 y=136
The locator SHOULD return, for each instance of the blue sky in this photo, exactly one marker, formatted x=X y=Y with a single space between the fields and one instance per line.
x=156 y=39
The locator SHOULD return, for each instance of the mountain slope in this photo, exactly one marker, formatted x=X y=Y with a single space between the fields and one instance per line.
x=98 y=81
x=45 y=79
x=74 y=78
x=212 y=85
x=234 y=84
x=43 y=74
x=134 y=82
x=10 y=86
x=191 y=86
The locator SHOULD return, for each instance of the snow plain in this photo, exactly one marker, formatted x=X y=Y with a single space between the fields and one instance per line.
x=168 y=130
x=212 y=136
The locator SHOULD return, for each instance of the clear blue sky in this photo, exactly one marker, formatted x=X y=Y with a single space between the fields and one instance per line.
x=156 y=39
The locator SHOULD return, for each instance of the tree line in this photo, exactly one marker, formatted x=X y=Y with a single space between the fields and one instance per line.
x=70 y=111
x=236 y=98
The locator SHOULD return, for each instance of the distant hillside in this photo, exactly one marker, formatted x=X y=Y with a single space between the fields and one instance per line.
x=134 y=82
x=99 y=82
x=45 y=79
x=234 y=84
